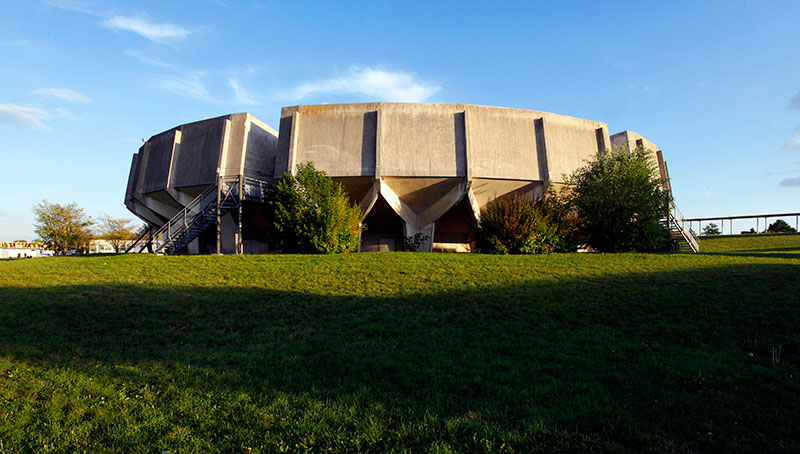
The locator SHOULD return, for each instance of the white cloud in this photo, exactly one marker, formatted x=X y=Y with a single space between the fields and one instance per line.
x=792 y=145
x=378 y=84
x=72 y=5
x=25 y=117
x=153 y=31
x=191 y=86
x=240 y=95
x=64 y=94
x=791 y=182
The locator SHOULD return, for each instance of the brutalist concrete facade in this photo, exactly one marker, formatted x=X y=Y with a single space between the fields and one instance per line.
x=413 y=168
x=175 y=166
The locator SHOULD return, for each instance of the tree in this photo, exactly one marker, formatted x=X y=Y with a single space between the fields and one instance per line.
x=116 y=231
x=780 y=226
x=313 y=214
x=620 y=202
x=711 y=229
x=62 y=227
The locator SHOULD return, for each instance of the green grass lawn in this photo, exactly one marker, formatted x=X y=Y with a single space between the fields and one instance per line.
x=404 y=352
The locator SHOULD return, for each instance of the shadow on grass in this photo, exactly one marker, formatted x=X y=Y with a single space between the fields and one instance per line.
x=760 y=253
x=640 y=362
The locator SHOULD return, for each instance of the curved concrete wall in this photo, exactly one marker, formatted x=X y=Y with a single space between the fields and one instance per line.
x=411 y=167
x=423 y=159
x=173 y=167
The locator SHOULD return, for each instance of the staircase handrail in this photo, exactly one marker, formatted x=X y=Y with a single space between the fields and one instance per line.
x=180 y=218
x=679 y=221
x=144 y=233
x=195 y=209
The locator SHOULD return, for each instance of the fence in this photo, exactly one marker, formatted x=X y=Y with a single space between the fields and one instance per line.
x=757 y=217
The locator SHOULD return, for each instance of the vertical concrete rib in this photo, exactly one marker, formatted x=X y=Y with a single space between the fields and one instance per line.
x=467 y=150
x=379 y=142
x=292 y=164
x=602 y=146
x=223 y=146
x=176 y=143
x=247 y=124
x=541 y=149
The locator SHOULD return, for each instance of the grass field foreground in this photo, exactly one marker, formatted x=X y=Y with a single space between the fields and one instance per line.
x=404 y=352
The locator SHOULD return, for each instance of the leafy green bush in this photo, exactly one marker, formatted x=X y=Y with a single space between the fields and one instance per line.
x=313 y=214
x=516 y=225
x=780 y=226
x=620 y=202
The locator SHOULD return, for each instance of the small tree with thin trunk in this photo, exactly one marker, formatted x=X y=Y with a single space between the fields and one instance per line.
x=62 y=227
x=117 y=231
x=711 y=229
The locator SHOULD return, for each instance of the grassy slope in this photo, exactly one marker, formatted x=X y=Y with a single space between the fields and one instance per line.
x=404 y=352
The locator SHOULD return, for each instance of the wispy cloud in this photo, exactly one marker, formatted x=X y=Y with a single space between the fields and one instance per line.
x=379 y=84
x=156 y=32
x=791 y=182
x=73 y=5
x=15 y=42
x=190 y=86
x=25 y=117
x=142 y=57
x=240 y=94
x=64 y=94
x=794 y=103
x=792 y=145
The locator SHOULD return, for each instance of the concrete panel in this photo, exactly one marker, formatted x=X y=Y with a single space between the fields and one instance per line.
x=571 y=143
x=195 y=161
x=356 y=187
x=261 y=147
x=486 y=190
x=339 y=139
x=422 y=140
x=629 y=140
x=230 y=161
x=159 y=159
x=502 y=143
x=284 y=141
x=133 y=177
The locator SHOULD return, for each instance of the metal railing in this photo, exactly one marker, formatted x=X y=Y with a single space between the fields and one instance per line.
x=225 y=193
x=182 y=220
x=144 y=234
x=680 y=223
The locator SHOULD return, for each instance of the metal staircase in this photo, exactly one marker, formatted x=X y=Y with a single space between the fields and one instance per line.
x=203 y=212
x=681 y=229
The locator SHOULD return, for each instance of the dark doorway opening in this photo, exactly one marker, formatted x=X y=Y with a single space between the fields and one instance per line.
x=385 y=229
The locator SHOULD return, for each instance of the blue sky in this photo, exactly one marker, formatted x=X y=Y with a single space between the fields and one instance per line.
x=716 y=85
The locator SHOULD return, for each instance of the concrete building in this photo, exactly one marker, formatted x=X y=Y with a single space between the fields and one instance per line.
x=412 y=168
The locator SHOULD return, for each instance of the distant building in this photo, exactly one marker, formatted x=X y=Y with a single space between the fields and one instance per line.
x=100 y=246
x=412 y=168
x=22 y=249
